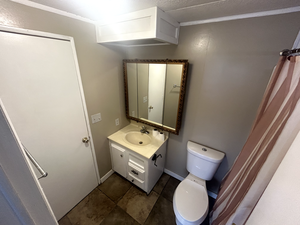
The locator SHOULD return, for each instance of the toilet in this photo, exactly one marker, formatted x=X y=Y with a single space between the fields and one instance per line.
x=190 y=201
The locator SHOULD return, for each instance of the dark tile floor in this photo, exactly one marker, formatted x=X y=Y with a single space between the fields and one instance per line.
x=117 y=201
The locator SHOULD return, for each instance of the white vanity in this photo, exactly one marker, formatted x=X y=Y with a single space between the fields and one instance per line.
x=137 y=156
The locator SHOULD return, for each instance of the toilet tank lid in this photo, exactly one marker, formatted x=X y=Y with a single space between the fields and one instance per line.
x=204 y=152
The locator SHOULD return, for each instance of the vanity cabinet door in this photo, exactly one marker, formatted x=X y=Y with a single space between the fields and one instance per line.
x=119 y=159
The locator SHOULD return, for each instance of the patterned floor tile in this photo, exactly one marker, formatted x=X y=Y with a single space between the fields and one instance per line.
x=162 y=213
x=92 y=209
x=158 y=188
x=119 y=217
x=138 y=204
x=115 y=187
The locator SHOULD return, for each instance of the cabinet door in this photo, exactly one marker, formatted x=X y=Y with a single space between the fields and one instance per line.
x=118 y=156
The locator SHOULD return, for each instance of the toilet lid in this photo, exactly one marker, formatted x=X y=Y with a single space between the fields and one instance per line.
x=191 y=200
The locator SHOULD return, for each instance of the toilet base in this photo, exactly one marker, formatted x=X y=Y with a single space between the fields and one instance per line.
x=178 y=222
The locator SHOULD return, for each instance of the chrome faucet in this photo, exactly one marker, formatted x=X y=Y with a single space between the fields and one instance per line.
x=144 y=130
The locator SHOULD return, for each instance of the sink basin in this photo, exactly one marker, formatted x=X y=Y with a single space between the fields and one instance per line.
x=137 y=138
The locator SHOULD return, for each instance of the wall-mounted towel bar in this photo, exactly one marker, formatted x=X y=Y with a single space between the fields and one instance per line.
x=35 y=163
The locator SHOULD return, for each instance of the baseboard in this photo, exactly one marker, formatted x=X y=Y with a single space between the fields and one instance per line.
x=102 y=179
x=172 y=174
x=211 y=194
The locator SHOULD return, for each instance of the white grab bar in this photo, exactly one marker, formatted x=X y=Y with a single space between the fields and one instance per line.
x=35 y=163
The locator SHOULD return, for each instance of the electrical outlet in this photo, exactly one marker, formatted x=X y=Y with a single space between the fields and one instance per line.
x=96 y=118
x=117 y=122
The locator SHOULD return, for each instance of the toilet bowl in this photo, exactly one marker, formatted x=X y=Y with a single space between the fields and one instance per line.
x=190 y=200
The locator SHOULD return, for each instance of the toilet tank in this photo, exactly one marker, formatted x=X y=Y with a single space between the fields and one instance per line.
x=203 y=161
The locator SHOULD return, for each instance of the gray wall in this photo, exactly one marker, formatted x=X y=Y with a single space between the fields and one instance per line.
x=230 y=64
x=100 y=67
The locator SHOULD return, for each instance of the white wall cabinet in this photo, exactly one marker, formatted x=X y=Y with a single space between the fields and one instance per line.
x=145 y=27
x=139 y=170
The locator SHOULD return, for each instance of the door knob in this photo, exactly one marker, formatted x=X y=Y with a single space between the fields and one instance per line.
x=85 y=140
x=150 y=107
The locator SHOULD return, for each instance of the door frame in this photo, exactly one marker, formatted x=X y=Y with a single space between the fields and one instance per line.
x=71 y=40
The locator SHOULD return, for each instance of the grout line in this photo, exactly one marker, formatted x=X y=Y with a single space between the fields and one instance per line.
x=107 y=196
x=151 y=208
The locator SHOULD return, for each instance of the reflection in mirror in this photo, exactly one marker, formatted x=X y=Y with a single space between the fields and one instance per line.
x=154 y=91
x=173 y=81
x=143 y=79
x=132 y=88
x=157 y=74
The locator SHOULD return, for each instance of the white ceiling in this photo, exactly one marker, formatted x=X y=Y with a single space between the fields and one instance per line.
x=180 y=10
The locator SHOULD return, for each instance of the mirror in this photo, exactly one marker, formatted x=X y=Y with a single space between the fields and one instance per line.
x=154 y=92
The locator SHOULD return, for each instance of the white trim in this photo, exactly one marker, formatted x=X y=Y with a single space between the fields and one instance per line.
x=71 y=40
x=139 y=45
x=85 y=110
x=243 y=16
x=172 y=174
x=190 y=23
x=53 y=10
x=34 y=33
x=195 y=6
x=106 y=176
x=211 y=194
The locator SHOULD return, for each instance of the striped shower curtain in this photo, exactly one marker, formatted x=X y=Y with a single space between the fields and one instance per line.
x=275 y=127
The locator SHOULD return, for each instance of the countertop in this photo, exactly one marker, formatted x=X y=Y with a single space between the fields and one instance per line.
x=147 y=150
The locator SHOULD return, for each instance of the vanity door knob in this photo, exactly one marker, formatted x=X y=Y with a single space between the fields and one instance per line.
x=132 y=181
x=121 y=156
x=150 y=107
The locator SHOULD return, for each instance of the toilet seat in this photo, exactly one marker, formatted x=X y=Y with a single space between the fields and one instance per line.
x=190 y=202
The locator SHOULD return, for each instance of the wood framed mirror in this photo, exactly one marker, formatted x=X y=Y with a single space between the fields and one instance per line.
x=154 y=92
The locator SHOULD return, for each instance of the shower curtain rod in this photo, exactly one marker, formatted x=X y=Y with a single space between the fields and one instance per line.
x=287 y=52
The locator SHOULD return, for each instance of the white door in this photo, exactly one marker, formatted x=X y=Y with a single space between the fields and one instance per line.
x=22 y=200
x=157 y=74
x=40 y=88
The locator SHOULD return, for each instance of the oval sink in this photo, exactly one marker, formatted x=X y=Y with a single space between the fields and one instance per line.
x=137 y=138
